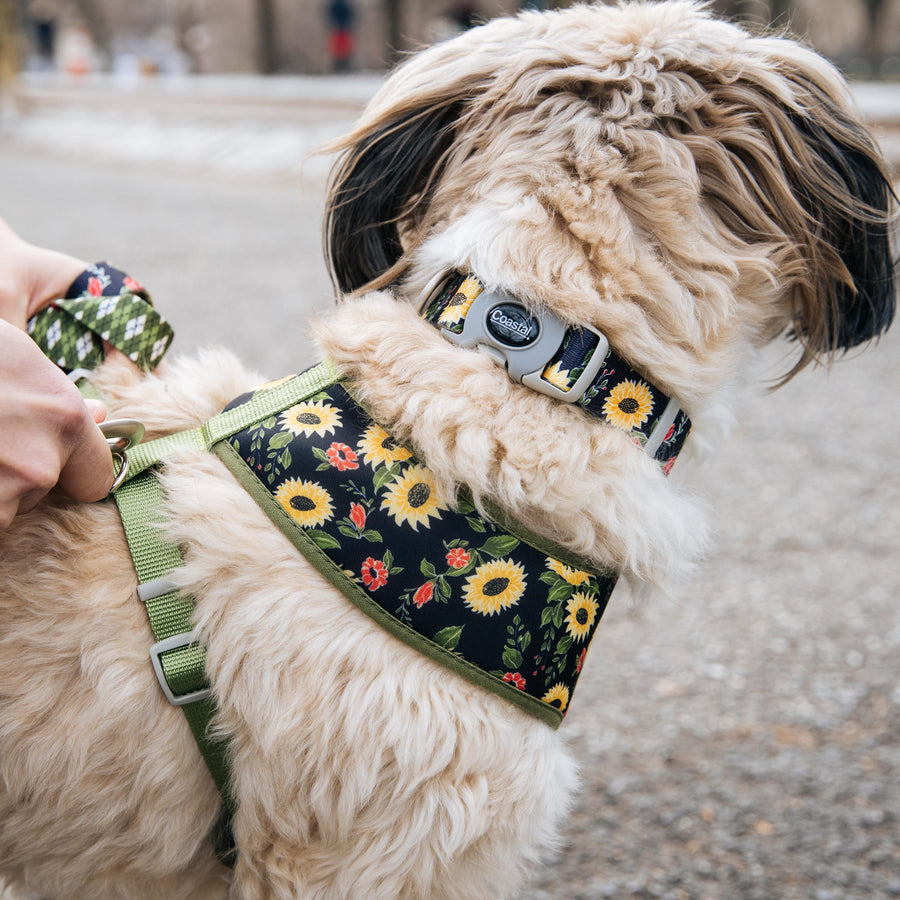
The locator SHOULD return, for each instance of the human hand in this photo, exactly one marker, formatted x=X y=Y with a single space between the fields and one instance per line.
x=48 y=434
x=31 y=277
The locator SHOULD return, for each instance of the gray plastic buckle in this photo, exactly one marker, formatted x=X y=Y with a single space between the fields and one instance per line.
x=174 y=643
x=524 y=343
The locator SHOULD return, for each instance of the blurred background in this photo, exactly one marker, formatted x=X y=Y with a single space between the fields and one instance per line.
x=175 y=37
x=739 y=737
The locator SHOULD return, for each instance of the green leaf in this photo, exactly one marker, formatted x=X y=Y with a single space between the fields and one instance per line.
x=319 y=453
x=512 y=659
x=561 y=592
x=388 y=559
x=475 y=524
x=500 y=545
x=525 y=640
x=444 y=588
x=347 y=531
x=551 y=578
x=282 y=439
x=546 y=614
x=370 y=534
x=565 y=642
x=427 y=569
x=322 y=540
x=385 y=475
x=270 y=423
x=448 y=637
x=285 y=459
x=558 y=615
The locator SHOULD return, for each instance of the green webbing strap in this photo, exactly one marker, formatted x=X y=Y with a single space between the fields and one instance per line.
x=260 y=406
x=178 y=658
x=140 y=502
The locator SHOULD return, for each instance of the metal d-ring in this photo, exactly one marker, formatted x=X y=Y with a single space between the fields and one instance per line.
x=121 y=434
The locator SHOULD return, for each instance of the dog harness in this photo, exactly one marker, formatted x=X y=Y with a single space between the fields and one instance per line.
x=471 y=589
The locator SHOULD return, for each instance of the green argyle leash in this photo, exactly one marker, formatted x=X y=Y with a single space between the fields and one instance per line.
x=103 y=304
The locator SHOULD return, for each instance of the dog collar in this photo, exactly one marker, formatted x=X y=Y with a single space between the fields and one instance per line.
x=574 y=364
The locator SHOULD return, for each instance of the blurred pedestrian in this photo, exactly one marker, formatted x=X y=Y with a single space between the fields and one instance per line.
x=341 y=41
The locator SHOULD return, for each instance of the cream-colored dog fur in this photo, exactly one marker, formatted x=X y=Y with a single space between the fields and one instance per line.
x=646 y=169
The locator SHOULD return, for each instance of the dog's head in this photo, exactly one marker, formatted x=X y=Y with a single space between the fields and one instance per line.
x=666 y=177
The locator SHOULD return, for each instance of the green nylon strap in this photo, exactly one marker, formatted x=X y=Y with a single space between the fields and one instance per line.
x=263 y=404
x=140 y=503
x=140 y=500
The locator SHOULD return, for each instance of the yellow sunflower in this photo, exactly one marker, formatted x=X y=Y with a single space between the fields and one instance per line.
x=378 y=448
x=311 y=417
x=582 y=611
x=458 y=308
x=628 y=405
x=573 y=576
x=494 y=586
x=412 y=498
x=557 y=376
x=306 y=502
x=557 y=696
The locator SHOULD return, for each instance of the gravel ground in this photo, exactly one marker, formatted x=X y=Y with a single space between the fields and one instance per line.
x=739 y=738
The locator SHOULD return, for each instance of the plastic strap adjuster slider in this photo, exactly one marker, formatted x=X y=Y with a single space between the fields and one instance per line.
x=177 y=642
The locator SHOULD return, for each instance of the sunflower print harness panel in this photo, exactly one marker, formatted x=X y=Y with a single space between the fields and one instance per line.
x=491 y=602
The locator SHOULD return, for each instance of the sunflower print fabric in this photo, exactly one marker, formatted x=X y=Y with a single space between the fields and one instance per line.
x=618 y=395
x=459 y=587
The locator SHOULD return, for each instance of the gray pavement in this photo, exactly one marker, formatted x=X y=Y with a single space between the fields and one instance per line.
x=739 y=738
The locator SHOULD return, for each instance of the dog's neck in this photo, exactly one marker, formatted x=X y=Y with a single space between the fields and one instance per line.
x=568 y=476
x=572 y=364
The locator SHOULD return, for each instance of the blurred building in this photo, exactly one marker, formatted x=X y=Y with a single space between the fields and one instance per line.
x=318 y=36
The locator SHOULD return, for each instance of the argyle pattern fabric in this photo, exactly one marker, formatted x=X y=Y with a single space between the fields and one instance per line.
x=489 y=600
x=102 y=304
x=619 y=395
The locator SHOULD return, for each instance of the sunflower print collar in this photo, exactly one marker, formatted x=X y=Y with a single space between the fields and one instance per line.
x=617 y=393
x=500 y=606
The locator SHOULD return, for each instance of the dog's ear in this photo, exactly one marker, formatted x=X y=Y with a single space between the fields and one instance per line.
x=383 y=178
x=782 y=160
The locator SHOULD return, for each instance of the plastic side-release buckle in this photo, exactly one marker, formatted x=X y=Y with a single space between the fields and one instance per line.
x=525 y=343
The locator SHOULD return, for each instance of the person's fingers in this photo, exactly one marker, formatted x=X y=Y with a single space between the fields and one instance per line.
x=88 y=473
x=97 y=410
x=52 y=273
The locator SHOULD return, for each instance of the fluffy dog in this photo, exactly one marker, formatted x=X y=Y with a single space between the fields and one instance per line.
x=688 y=189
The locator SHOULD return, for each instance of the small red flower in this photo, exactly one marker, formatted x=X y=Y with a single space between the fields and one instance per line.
x=358 y=515
x=458 y=558
x=374 y=574
x=580 y=661
x=424 y=594
x=515 y=679
x=95 y=287
x=131 y=284
x=667 y=466
x=342 y=457
x=669 y=433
